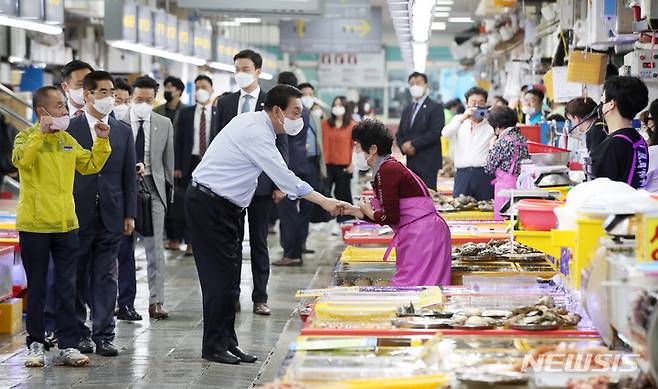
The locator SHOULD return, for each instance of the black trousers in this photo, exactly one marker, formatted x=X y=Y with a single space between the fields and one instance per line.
x=474 y=182
x=36 y=249
x=96 y=285
x=292 y=236
x=306 y=207
x=339 y=180
x=175 y=218
x=127 y=276
x=258 y=215
x=215 y=237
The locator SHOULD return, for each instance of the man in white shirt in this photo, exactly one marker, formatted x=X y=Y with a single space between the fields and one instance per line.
x=223 y=185
x=471 y=138
x=154 y=148
x=192 y=138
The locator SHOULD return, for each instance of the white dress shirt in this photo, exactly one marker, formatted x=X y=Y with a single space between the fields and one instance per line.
x=134 y=123
x=244 y=149
x=471 y=141
x=419 y=104
x=92 y=122
x=197 y=126
x=252 y=102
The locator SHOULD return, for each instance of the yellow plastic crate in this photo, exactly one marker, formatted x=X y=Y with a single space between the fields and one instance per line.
x=359 y=254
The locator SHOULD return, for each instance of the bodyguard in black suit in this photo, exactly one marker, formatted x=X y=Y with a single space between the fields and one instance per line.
x=106 y=205
x=419 y=132
x=251 y=98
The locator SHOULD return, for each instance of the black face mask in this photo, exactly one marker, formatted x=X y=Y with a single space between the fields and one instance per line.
x=168 y=96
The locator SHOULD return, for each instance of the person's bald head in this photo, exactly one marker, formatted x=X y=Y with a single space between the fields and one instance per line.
x=49 y=101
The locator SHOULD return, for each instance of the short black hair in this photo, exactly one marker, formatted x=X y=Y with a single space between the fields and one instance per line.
x=175 y=82
x=476 y=90
x=501 y=99
x=418 y=74
x=502 y=117
x=536 y=92
x=280 y=96
x=305 y=85
x=580 y=107
x=629 y=93
x=74 y=66
x=146 y=82
x=653 y=115
x=122 y=84
x=203 y=77
x=370 y=132
x=252 y=55
x=40 y=96
x=90 y=82
x=456 y=103
x=287 y=78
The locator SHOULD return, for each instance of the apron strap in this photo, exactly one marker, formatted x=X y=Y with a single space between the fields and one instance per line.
x=635 y=145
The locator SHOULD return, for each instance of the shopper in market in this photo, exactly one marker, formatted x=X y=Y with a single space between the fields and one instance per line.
x=652 y=173
x=154 y=145
x=192 y=137
x=623 y=155
x=419 y=132
x=533 y=105
x=402 y=201
x=47 y=158
x=471 y=135
x=251 y=98
x=452 y=108
x=293 y=229
x=72 y=75
x=504 y=159
x=173 y=91
x=581 y=112
x=337 y=144
x=223 y=186
x=106 y=207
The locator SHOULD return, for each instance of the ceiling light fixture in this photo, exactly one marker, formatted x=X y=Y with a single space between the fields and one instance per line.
x=421 y=13
x=442 y=9
x=445 y=2
x=248 y=20
x=441 y=14
x=420 y=56
x=229 y=24
x=231 y=68
x=439 y=26
x=30 y=25
x=460 y=19
x=143 y=49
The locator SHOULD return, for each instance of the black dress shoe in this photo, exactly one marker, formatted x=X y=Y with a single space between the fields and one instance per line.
x=106 y=348
x=242 y=356
x=307 y=251
x=128 y=314
x=86 y=346
x=221 y=357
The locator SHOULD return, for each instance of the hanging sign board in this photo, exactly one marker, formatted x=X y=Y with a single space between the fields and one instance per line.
x=354 y=70
x=184 y=39
x=120 y=21
x=160 y=29
x=144 y=25
x=8 y=7
x=54 y=11
x=202 y=44
x=29 y=9
x=172 y=33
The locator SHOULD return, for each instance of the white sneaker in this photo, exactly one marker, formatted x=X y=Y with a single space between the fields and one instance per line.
x=35 y=355
x=71 y=357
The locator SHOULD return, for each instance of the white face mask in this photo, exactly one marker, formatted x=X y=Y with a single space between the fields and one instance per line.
x=292 y=127
x=142 y=110
x=308 y=101
x=417 y=91
x=76 y=96
x=338 y=110
x=202 y=96
x=104 y=106
x=528 y=110
x=120 y=111
x=243 y=79
x=366 y=108
x=360 y=161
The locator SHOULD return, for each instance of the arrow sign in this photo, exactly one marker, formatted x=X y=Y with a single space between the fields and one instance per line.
x=363 y=28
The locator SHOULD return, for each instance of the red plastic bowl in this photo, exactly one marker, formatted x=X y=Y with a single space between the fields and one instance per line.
x=538 y=215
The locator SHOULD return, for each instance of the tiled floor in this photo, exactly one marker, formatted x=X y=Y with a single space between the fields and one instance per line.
x=166 y=353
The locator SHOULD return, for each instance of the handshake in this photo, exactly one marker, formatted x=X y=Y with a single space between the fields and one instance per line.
x=337 y=207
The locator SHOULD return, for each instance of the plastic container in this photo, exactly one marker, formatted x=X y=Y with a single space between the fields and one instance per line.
x=539 y=148
x=538 y=215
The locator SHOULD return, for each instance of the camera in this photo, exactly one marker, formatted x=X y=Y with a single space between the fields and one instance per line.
x=481 y=113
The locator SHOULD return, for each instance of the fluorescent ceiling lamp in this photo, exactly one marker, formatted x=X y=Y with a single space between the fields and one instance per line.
x=29 y=25
x=231 y=68
x=445 y=2
x=460 y=19
x=421 y=12
x=420 y=56
x=229 y=24
x=438 y=26
x=143 y=49
x=441 y=14
x=442 y=9
x=248 y=20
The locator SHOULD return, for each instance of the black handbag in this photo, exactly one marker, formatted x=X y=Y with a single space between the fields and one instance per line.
x=144 y=219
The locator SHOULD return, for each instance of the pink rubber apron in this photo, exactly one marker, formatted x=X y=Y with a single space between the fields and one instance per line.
x=504 y=180
x=422 y=242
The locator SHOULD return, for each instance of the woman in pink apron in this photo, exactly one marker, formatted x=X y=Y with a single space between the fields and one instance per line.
x=402 y=201
x=504 y=157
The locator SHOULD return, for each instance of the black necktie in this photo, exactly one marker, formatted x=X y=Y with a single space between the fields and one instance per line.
x=140 y=142
x=413 y=113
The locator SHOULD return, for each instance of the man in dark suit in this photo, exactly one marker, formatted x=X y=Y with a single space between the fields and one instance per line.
x=251 y=98
x=191 y=140
x=292 y=223
x=419 y=132
x=106 y=206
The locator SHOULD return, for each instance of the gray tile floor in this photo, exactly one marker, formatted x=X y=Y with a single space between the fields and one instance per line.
x=166 y=353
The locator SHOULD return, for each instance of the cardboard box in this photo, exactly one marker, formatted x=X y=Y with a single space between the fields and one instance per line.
x=11 y=315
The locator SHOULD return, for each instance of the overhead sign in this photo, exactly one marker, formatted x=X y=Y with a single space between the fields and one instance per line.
x=355 y=70
x=356 y=35
x=202 y=41
x=54 y=11
x=160 y=29
x=29 y=9
x=172 y=33
x=225 y=50
x=8 y=7
x=184 y=39
x=144 y=25
x=269 y=7
x=120 y=21
x=346 y=9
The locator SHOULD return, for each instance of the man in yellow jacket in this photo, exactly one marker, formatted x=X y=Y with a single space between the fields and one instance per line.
x=47 y=157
